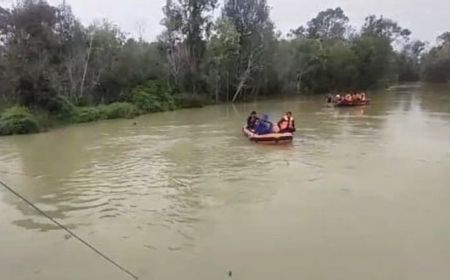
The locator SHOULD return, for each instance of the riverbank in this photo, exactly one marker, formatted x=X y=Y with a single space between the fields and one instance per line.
x=23 y=120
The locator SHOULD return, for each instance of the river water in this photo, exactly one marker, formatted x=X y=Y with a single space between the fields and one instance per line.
x=362 y=193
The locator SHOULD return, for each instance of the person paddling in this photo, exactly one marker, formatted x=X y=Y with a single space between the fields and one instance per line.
x=287 y=123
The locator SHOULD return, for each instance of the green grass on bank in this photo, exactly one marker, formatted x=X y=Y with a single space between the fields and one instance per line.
x=21 y=120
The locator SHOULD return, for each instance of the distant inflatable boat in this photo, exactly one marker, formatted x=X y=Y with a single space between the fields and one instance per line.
x=346 y=103
x=272 y=138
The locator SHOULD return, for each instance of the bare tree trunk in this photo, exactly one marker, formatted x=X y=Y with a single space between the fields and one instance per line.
x=244 y=78
x=173 y=57
x=299 y=81
x=217 y=86
x=72 y=86
x=228 y=86
x=83 y=79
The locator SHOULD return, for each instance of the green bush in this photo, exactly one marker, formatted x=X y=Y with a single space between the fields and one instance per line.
x=18 y=120
x=152 y=97
x=63 y=108
x=146 y=102
x=86 y=114
x=118 y=110
x=61 y=105
x=104 y=112
x=187 y=100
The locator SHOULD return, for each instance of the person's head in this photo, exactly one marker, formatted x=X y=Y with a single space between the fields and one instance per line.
x=265 y=117
x=253 y=114
x=289 y=114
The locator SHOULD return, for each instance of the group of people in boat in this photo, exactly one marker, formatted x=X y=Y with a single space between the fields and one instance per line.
x=262 y=125
x=353 y=97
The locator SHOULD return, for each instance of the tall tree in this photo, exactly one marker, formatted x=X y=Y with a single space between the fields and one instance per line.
x=105 y=45
x=374 y=60
x=444 y=38
x=328 y=24
x=31 y=48
x=188 y=24
x=252 y=21
x=436 y=63
x=224 y=51
x=384 y=28
x=408 y=61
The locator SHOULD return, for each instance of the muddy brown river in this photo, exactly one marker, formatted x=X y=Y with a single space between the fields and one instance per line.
x=362 y=193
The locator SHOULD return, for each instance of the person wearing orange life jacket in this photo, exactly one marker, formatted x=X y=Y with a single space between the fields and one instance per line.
x=287 y=123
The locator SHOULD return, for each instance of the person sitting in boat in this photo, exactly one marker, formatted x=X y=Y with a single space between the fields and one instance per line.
x=330 y=98
x=348 y=97
x=363 y=96
x=264 y=126
x=287 y=123
x=252 y=121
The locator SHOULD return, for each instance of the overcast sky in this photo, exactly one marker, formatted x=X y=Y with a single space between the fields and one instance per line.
x=425 y=18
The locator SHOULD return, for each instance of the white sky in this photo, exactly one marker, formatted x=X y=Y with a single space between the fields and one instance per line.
x=425 y=18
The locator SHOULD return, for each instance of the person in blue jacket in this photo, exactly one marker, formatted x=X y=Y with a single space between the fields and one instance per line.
x=264 y=126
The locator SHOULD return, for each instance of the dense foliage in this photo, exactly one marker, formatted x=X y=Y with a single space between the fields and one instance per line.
x=50 y=62
x=18 y=120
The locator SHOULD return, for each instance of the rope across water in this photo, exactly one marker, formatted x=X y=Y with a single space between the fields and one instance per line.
x=11 y=190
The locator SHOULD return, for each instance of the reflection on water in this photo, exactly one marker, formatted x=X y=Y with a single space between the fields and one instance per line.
x=188 y=183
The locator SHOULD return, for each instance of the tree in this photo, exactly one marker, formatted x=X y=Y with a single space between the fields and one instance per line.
x=105 y=45
x=328 y=24
x=436 y=63
x=374 y=57
x=444 y=38
x=188 y=24
x=31 y=48
x=298 y=33
x=296 y=60
x=252 y=21
x=224 y=51
x=342 y=67
x=68 y=79
x=408 y=61
x=135 y=64
x=384 y=28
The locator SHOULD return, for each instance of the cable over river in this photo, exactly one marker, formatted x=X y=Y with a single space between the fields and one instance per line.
x=362 y=193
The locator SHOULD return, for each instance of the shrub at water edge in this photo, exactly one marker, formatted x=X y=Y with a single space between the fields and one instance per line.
x=118 y=110
x=18 y=120
x=152 y=97
x=105 y=112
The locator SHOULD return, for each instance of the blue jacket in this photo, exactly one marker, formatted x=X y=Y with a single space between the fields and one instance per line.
x=263 y=127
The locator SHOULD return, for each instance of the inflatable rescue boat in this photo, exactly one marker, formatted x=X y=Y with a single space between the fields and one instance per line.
x=272 y=138
x=346 y=103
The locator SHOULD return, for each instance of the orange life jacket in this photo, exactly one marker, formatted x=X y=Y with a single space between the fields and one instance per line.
x=288 y=122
